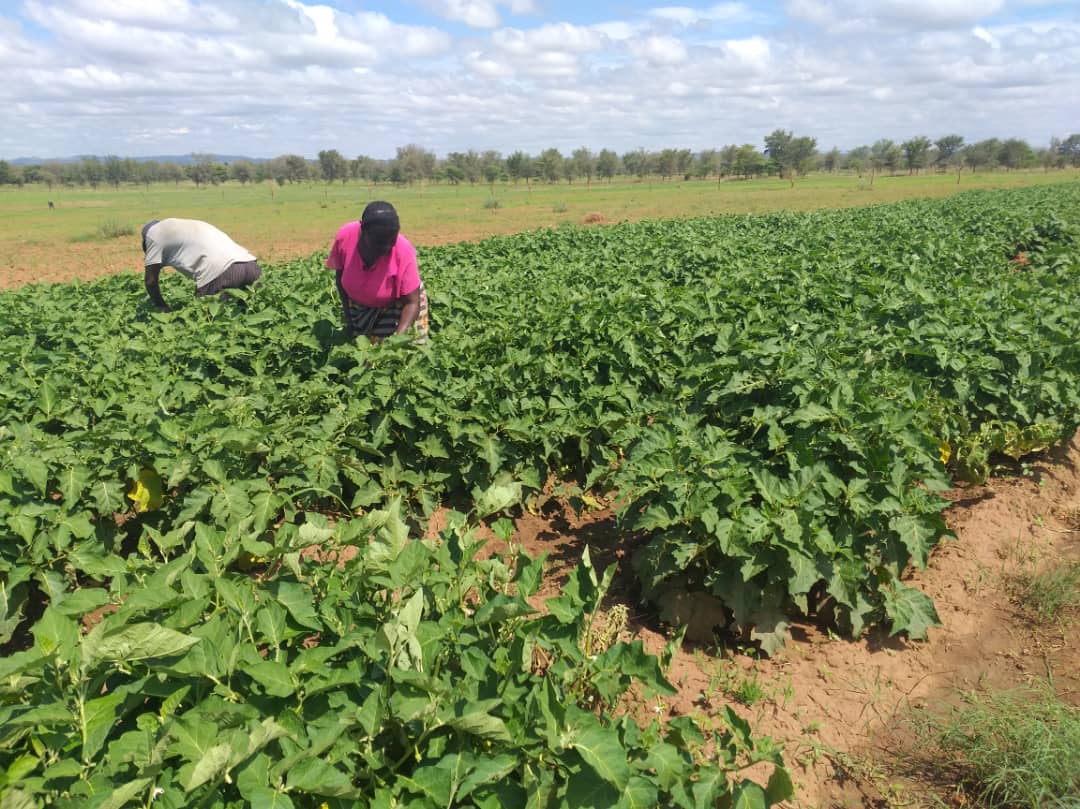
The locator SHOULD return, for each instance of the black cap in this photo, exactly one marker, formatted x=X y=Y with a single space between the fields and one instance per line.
x=380 y=215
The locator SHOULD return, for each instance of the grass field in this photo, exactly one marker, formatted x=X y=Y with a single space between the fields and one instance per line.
x=280 y=223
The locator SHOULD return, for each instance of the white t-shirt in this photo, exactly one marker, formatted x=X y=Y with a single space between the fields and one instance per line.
x=197 y=250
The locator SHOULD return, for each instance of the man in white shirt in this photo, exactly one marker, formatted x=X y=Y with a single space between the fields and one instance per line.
x=199 y=251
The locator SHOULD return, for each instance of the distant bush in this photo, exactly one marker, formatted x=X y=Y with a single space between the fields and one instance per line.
x=109 y=229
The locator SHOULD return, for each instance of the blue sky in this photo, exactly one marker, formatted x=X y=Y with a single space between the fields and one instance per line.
x=269 y=77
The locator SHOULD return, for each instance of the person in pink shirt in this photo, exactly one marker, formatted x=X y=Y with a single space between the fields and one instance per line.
x=377 y=277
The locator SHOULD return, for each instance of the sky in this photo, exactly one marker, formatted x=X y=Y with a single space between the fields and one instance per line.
x=262 y=78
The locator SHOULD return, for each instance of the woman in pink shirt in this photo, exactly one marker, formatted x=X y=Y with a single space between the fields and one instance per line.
x=377 y=278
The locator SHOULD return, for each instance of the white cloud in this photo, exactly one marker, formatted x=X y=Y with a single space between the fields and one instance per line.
x=660 y=50
x=478 y=13
x=266 y=77
x=986 y=37
x=688 y=15
x=754 y=52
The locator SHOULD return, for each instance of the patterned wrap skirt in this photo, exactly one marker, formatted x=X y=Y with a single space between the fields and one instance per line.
x=379 y=322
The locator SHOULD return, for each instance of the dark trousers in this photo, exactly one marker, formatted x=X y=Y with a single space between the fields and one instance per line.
x=240 y=274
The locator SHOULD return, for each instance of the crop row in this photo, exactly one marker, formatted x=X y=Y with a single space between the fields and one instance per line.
x=774 y=399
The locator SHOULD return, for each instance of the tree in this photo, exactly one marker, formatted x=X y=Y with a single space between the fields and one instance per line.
x=1070 y=150
x=171 y=171
x=414 y=163
x=333 y=165
x=749 y=162
x=857 y=159
x=550 y=165
x=639 y=163
x=242 y=171
x=584 y=164
x=983 y=154
x=916 y=150
x=146 y=172
x=831 y=160
x=491 y=168
x=884 y=154
x=947 y=149
x=707 y=163
x=91 y=171
x=519 y=166
x=296 y=168
x=468 y=163
x=364 y=168
x=729 y=156
x=199 y=173
x=1015 y=154
x=5 y=172
x=790 y=155
x=607 y=164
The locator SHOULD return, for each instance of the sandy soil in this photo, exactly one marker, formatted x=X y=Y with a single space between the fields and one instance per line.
x=838 y=706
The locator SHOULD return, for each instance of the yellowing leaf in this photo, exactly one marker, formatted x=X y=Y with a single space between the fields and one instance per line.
x=944 y=451
x=147 y=493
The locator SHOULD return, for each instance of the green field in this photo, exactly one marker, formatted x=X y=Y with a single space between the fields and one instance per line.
x=284 y=222
x=217 y=587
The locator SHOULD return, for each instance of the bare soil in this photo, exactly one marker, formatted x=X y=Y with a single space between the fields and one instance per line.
x=838 y=706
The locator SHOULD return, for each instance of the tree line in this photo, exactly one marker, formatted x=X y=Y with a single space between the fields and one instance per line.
x=784 y=154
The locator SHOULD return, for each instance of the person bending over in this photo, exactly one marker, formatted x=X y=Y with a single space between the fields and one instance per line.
x=199 y=251
x=377 y=277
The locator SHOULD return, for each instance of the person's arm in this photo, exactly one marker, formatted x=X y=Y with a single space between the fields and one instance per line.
x=344 y=296
x=409 y=311
x=152 y=278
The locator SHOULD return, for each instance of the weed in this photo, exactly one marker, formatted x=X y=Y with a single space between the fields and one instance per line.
x=112 y=229
x=1010 y=749
x=109 y=229
x=1049 y=593
x=560 y=207
x=491 y=203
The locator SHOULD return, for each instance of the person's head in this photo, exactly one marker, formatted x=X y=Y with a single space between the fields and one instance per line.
x=379 y=228
x=146 y=229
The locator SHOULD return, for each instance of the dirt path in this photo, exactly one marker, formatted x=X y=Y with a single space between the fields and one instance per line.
x=837 y=705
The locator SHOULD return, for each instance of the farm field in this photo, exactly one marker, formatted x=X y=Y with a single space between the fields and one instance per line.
x=766 y=429
x=292 y=221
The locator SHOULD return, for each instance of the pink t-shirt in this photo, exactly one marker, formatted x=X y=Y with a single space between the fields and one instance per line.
x=391 y=277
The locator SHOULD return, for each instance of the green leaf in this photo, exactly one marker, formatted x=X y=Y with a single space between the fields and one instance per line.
x=34 y=470
x=482 y=725
x=83 y=601
x=748 y=795
x=486 y=770
x=297 y=599
x=910 y=610
x=98 y=717
x=135 y=642
x=274 y=677
x=55 y=633
x=495 y=498
x=125 y=793
x=266 y=798
x=211 y=765
x=602 y=750
x=916 y=535
x=640 y=793
x=17 y=799
x=73 y=481
x=316 y=777
x=780 y=788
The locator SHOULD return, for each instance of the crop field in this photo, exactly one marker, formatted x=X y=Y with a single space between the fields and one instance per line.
x=217 y=586
x=292 y=221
